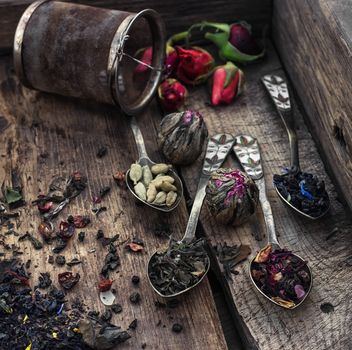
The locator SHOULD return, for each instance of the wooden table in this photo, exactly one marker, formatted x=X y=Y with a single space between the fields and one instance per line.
x=43 y=136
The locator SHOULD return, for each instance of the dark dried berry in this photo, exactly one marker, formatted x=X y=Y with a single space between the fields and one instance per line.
x=177 y=328
x=135 y=298
x=116 y=308
x=60 y=260
x=135 y=279
x=106 y=316
x=81 y=236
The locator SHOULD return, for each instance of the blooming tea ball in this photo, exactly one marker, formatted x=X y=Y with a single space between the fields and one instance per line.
x=231 y=195
x=181 y=137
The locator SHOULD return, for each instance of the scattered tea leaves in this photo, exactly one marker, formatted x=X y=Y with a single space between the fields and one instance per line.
x=177 y=328
x=135 y=298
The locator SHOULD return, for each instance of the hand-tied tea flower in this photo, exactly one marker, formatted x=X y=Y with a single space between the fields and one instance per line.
x=182 y=136
x=227 y=84
x=281 y=275
x=172 y=94
x=304 y=191
x=232 y=196
x=180 y=267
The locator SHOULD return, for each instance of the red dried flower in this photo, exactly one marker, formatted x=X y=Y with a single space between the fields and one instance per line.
x=80 y=221
x=105 y=285
x=227 y=84
x=194 y=65
x=43 y=205
x=171 y=94
x=67 y=280
x=66 y=230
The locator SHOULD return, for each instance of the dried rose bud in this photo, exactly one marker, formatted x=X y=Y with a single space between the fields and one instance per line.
x=43 y=204
x=194 y=66
x=145 y=56
x=172 y=94
x=227 y=83
x=232 y=196
x=181 y=137
x=235 y=41
x=171 y=60
x=104 y=285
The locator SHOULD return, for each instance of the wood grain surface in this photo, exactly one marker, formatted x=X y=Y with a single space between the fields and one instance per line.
x=177 y=15
x=314 y=40
x=326 y=244
x=43 y=136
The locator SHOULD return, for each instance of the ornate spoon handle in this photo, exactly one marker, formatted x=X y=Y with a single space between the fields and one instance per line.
x=278 y=91
x=248 y=153
x=218 y=148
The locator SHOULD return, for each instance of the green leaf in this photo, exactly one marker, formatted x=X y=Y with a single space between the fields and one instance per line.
x=12 y=196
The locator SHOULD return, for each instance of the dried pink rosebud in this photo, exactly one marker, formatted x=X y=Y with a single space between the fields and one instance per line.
x=172 y=94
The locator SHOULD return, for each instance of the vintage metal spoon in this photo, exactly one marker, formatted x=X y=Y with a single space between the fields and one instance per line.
x=278 y=91
x=145 y=160
x=218 y=148
x=247 y=151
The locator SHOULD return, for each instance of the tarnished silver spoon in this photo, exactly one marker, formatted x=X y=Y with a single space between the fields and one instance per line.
x=278 y=91
x=218 y=148
x=247 y=151
x=143 y=159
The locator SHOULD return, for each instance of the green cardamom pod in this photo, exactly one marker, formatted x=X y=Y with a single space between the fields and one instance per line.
x=160 y=198
x=167 y=187
x=151 y=193
x=171 y=198
x=147 y=176
x=140 y=191
x=135 y=173
x=160 y=168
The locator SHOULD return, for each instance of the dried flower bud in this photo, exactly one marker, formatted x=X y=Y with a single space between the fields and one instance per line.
x=172 y=94
x=232 y=196
x=181 y=137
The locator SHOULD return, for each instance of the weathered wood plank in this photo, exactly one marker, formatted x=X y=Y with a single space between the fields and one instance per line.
x=177 y=16
x=314 y=40
x=266 y=325
x=45 y=135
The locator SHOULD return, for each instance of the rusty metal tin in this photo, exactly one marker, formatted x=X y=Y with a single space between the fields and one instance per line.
x=76 y=50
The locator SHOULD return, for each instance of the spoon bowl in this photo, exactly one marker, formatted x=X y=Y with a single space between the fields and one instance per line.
x=273 y=301
x=278 y=91
x=145 y=160
x=217 y=149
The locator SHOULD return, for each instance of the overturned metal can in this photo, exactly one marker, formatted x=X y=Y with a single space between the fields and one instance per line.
x=88 y=52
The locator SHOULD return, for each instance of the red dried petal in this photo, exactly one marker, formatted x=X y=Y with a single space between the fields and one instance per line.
x=105 y=285
x=80 y=221
x=134 y=247
x=66 y=230
x=67 y=280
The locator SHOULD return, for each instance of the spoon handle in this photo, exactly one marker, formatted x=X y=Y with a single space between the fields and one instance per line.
x=248 y=153
x=278 y=91
x=138 y=137
x=218 y=148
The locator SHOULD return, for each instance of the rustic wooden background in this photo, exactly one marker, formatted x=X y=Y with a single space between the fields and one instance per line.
x=43 y=135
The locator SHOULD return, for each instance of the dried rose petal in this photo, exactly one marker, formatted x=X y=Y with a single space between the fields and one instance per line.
x=119 y=176
x=66 y=230
x=46 y=230
x=263 y=254
x=105 y=285
x=80 y=221
x=299 y=290
x=67 y=280
x=134 y=247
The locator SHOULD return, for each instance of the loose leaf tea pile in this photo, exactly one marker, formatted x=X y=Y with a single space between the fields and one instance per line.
x=304 y=191
x=282 y=276
x=178 y=268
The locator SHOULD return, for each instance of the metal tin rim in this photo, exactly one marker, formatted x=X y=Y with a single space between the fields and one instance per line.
x=159 y=35
x=18 y=40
